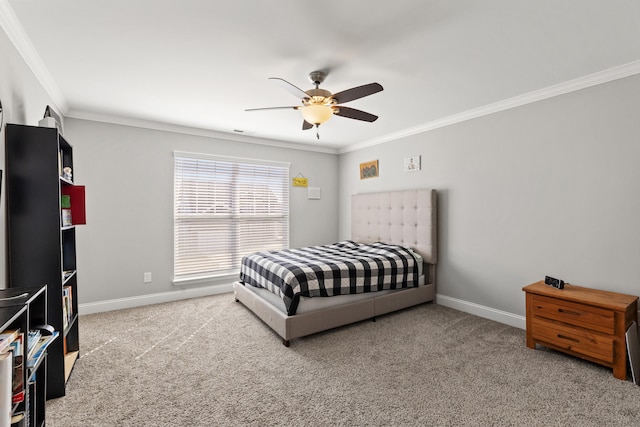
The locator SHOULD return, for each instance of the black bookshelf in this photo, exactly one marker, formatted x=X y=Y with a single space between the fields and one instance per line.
x=25 y=309
x=41 y=246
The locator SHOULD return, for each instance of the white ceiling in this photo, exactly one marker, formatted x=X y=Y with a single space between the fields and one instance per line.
x=200 y=63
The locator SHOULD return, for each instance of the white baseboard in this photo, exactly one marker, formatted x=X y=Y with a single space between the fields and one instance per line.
x=120 y=303
x=482 y=311
x=138 y=301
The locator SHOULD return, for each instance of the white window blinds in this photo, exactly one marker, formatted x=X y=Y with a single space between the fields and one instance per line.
x=225 y=208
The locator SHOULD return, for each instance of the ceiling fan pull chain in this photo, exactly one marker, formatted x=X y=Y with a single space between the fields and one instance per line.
x=318 y=131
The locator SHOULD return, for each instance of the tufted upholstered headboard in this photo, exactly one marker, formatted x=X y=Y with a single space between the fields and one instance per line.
x=407 y=217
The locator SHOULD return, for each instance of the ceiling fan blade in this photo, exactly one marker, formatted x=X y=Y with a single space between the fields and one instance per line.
x=306 y=125
x=357 y=92
x=293 y=89
x=272 y=108
x=352 y=113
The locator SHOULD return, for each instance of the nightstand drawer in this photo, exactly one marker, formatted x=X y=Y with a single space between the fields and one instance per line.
x=577 y=340
x=594 y=318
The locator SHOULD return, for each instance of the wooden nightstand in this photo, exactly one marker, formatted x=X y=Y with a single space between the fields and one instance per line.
x=583 y=322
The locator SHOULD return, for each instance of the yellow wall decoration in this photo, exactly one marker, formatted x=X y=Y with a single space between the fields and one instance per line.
x=300 y=181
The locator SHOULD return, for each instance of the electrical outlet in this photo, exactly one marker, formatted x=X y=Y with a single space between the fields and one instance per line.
x=147 y=277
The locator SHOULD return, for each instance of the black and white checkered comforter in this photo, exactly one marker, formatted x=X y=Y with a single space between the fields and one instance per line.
x=321 y=271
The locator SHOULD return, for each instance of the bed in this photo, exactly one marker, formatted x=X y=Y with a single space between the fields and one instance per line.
x=381 y=220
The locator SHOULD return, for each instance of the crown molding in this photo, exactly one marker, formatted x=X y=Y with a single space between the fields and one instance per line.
x=14 y=30
x=590 y=80
x=187 y=130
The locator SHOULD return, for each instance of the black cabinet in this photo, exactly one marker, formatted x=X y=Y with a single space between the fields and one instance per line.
x=43 y=208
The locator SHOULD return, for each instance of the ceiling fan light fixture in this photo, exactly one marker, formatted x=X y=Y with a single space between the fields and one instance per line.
x=318 y=105
x=317 y=114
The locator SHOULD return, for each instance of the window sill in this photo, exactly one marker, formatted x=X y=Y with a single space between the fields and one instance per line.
x=210 y=279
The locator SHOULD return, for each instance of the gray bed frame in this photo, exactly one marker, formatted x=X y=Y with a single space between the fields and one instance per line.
x=407 y=218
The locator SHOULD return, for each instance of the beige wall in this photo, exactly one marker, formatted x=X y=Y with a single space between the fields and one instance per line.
x=549 y=188
x=128 y=173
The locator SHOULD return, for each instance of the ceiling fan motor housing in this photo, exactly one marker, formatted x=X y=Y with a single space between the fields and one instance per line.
x=317 y=77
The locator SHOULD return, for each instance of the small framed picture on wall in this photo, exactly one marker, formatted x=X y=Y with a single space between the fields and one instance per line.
x=369 y=169
x=412 y=164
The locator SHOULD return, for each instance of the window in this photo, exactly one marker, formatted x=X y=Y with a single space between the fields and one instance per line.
x=225 y=208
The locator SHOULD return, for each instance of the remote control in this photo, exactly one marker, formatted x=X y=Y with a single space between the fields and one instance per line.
x=556 y=283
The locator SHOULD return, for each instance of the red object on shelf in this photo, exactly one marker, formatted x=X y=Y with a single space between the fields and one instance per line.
x=78 y=210
x=18 y=397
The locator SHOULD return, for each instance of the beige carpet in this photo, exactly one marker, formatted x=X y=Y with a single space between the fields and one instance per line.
x=210 y=362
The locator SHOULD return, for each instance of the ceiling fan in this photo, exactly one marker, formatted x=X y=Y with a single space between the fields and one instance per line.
x=318 y=105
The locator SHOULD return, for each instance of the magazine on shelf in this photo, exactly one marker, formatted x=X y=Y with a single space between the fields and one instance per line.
x=32 y=339
x=40 y=348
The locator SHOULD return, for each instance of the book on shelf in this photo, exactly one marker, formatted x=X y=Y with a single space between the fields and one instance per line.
x=65 y=201
x=16 y=344
x=17 y=349
x=18 y=396
x=66 y=218
x=67 y=305
x=6 y=388
x=17 y=377
x=65 y=315
x=7 y=337
x=12 y=341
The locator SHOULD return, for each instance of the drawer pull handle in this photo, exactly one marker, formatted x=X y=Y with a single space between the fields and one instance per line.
x=573 y=313
x=564 y=337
